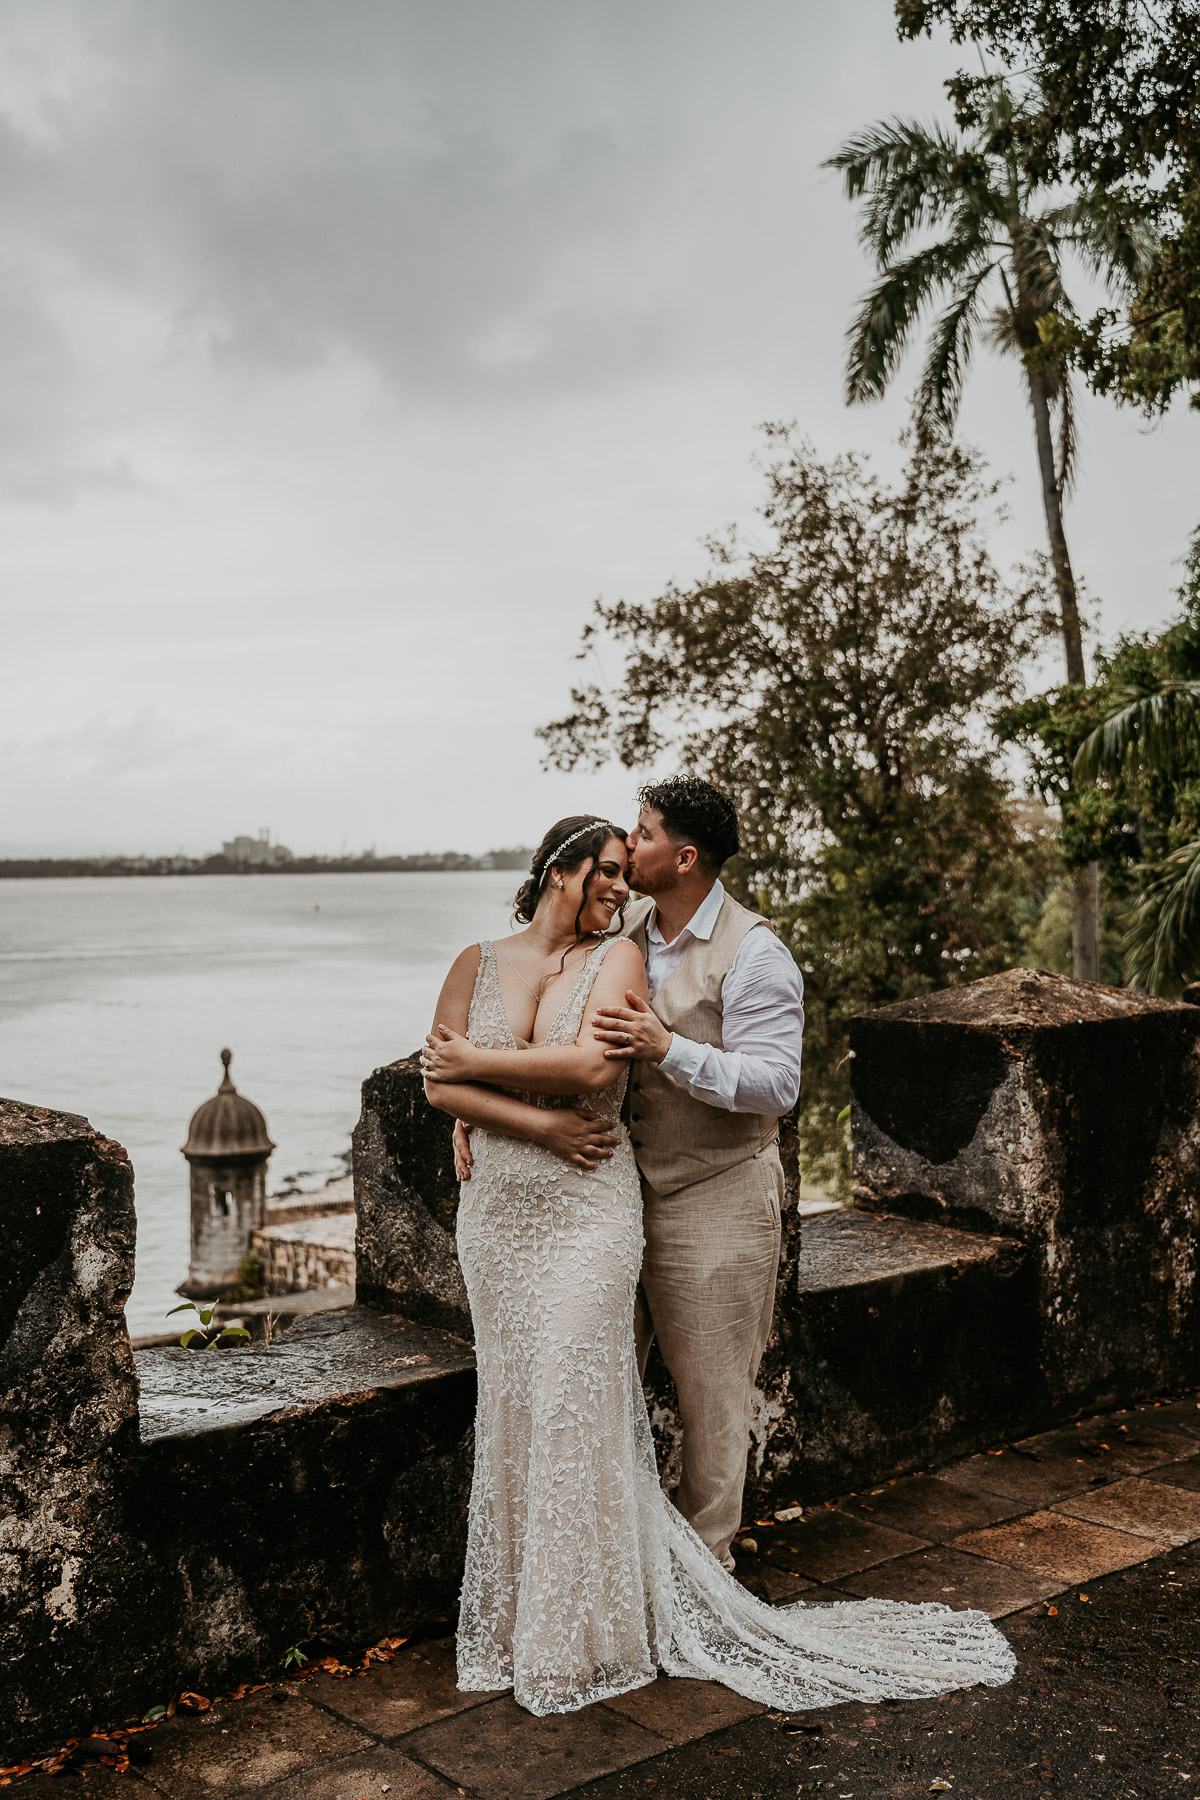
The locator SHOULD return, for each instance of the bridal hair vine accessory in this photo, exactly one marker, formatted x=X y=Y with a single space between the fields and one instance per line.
x=567 y=842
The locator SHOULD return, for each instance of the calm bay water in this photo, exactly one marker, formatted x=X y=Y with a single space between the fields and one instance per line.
x=116 y=997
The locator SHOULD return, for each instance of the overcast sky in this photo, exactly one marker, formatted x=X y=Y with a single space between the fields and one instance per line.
x=349 y=348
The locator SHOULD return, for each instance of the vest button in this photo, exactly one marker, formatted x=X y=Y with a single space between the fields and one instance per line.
x=636 y=1117
x=636 y=1142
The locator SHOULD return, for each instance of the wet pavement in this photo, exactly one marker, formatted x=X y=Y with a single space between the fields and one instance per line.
x=1084 y=1542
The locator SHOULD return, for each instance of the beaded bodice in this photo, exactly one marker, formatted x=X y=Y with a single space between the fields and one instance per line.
x=488 y=1026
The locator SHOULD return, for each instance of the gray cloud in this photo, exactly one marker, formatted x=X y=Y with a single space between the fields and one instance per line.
x=349 y=347
x=295 y=182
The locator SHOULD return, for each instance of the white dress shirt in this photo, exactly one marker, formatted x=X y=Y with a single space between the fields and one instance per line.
x=762 y=1000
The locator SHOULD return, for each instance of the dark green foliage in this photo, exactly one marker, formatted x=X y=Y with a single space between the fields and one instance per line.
x=1118 y=109
x=250 y=1278
x=996 y=260
x=1147 y=741
x=1122 y=759
x=834 y=678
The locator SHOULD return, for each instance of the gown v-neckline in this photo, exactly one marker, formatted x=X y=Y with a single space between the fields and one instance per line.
x=515 y=1042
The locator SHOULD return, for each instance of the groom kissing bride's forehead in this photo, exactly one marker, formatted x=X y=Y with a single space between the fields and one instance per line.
x=716 y=1064
x=617 y=1071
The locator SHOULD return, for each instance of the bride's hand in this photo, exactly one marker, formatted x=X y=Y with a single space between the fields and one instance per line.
x=449 y=1057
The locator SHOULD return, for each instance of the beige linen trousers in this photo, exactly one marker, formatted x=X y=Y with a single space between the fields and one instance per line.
x=712 y=1188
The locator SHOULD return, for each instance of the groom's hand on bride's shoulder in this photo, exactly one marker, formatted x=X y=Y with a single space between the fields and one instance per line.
x=631 y=1033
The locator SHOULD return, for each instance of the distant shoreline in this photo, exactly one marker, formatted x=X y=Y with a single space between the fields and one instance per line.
x=101 y=867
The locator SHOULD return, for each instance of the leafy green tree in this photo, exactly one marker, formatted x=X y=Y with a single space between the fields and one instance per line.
x=1145 y=746
x=1098 y=821
x=1122 y=760
x=835 y=676
x=1118 y=109
x=996 y=260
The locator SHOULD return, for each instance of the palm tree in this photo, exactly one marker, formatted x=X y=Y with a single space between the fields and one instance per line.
x=998 y=262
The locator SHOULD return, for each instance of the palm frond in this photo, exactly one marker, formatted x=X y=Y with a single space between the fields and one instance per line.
x=878 y=337
x=905 y=172
x=1068 y=441
x=1109 y=234
x=1153 y=726
x=949 y=354
x=1162 y=943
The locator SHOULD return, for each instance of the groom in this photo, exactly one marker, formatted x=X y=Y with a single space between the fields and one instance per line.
x=716 y=1065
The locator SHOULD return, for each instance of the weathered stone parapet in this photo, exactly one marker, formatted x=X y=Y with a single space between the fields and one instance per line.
x=68 y=1410
x=313 y=1486
x=407 y=1200
x=1066 y=1116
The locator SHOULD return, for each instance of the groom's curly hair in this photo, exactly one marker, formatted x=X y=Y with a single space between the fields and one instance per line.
x=695 y=812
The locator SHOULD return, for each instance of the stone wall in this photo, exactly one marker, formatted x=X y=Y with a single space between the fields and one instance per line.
x=407 y=1199
x=68 y=1408
x=250 y=1499
x=1022 y=1247
x=1027 y=1166
x=302 y=1254
x=315 y=1487
x=1064 y=1118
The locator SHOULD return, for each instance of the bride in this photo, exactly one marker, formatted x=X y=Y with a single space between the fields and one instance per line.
x=582 y=1581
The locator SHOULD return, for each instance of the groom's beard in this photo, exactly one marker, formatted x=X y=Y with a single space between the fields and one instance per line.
x=652 y=886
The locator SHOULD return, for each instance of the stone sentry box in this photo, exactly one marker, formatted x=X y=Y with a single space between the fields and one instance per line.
x=227 y=1150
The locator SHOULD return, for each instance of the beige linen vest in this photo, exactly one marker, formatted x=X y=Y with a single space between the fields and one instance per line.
x=678 y=1140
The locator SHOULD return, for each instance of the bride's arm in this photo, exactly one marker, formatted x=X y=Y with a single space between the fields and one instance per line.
x=577 y=1136
x=578 y=1068
x=473 y=1104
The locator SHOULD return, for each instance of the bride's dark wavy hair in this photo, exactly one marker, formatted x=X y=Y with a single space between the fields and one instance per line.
x=588 y=836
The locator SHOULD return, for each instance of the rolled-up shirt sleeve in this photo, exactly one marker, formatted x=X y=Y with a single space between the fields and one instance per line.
x=758 y=1068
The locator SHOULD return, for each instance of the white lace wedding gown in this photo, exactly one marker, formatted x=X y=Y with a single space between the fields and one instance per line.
x=582 y=1580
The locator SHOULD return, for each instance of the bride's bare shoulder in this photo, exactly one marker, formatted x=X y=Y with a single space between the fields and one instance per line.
x=623 y=950
x=463 y=970
x=623 y=961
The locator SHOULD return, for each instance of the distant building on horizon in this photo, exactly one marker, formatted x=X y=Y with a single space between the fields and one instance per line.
x=256 y=852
